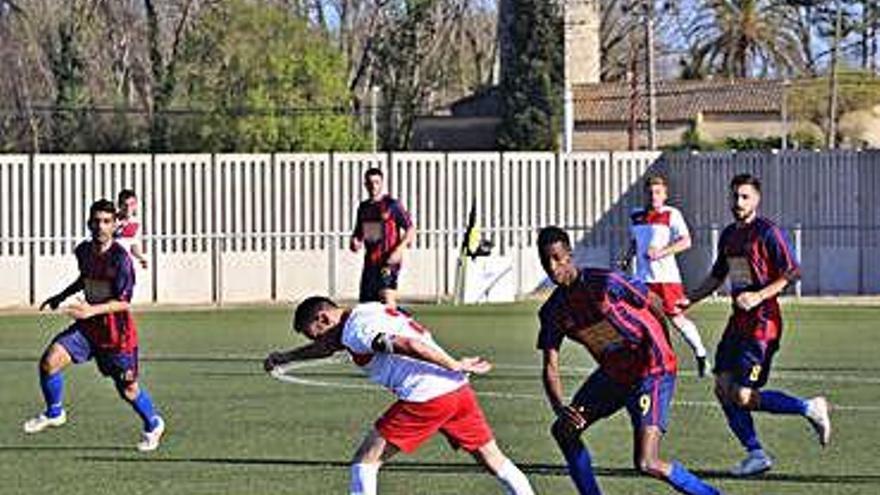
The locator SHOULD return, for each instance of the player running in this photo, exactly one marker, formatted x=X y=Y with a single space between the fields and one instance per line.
x=621 y=323
x=385 y=228
x=658 y=233
x=104 y=330
x=755 y=254
x=431 y=386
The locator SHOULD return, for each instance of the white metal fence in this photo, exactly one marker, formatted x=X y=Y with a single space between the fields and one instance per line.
x=231 y=227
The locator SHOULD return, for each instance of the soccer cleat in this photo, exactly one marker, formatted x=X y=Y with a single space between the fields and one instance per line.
x=41 y=422
x=702 y=364
x=757 y=462
x=150 y=439
x=818 y=415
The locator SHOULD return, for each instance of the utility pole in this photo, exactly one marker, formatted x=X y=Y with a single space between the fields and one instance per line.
x=633 y=75
x=649 y=74
x=831 y=137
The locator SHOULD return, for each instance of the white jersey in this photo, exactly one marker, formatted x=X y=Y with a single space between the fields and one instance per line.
x=657 y=229
x=128 y=235
x=409 y=379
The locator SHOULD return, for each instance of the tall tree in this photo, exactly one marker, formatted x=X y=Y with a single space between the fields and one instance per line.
x=531 y=84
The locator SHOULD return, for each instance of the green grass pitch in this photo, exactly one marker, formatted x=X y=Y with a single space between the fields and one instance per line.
x=233 y=429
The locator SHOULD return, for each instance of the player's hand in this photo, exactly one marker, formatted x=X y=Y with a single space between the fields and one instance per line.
x=748 y=300
x=572 y=417
x=80 y=310
x=143 y=261
x=683 y=303
x=476 y=365
x=53 y=303
x=272 y=361
x=354 y=245
x=396 y=257
x=654 y=254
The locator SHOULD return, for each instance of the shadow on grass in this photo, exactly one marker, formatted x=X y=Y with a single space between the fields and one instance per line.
x=461 y=468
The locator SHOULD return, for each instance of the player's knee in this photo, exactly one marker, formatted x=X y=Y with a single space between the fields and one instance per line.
x=562 y=433
x=743 y=397
x=127 y=390
x=650 y=466
x=52 y=361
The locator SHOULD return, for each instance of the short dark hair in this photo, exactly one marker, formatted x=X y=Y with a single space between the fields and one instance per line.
x=745 y=180
x=656 y=180
x=373 y=171
x=551 y=235
x=308 y=310
x=124 y=195
x=102 y=205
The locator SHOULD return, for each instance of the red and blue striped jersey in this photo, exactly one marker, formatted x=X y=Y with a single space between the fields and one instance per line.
x=107 y=276
x=378 y=225
x=609 y=314
x=753 y=256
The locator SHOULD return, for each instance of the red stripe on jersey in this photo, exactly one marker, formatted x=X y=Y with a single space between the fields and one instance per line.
x=360 y=359
x=652 y=217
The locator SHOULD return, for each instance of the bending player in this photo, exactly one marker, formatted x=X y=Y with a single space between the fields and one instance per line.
x=659 y=232
x=755 y=254
x=104 y=330
x=431 y=387
x=621 y=323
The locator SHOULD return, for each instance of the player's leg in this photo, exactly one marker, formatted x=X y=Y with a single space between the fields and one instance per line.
x=372 y=452
x=671 y=294
x=387 y=283
x=67 y=347
x=369 y=288
x=739 y=419
x=648 y=408
x=597 y=398
x=688 y=330
x=499 y=465
x=123 y=369
x=748 y=394
x=468 y=429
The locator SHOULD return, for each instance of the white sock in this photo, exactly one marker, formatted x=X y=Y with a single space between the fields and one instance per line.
x=513 y=480
x=364 y=478
x=691 y=335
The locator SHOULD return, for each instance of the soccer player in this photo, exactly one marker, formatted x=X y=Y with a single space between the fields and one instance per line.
x=622 y=325
x=128 y=231
x=104 y=330
x=385 y=229
x=431 y=386
x=755 y=254
x=659 y=232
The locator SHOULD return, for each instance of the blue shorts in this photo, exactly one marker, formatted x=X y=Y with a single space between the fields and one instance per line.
x=122 y=367
x=747 y=360
x=647 y=401
x=375 y=279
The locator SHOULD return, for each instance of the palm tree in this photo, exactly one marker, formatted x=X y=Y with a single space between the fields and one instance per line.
x=742 y=38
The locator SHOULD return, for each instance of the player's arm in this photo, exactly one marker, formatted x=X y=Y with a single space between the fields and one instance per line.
x=716 y=277
x=553 y=390
x=56 y=300
x=318 y=349
x=625 y=262
x=357 y=236
x=681 y=244
x=417 y=349
x=406 y=224
x=655 y=304
x=138 y=253
x=781 y=257
x=83 y=310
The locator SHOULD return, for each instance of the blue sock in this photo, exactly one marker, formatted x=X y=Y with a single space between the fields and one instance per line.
x=686 y=482
x=143 y=406
x=53 y=391
x=777 y=402
x=580 y=468
x=740 y=422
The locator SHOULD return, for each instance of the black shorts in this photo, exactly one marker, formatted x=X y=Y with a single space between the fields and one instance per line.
x=375 y=279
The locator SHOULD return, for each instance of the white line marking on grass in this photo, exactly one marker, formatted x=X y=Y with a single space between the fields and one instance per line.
x=282 y=374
